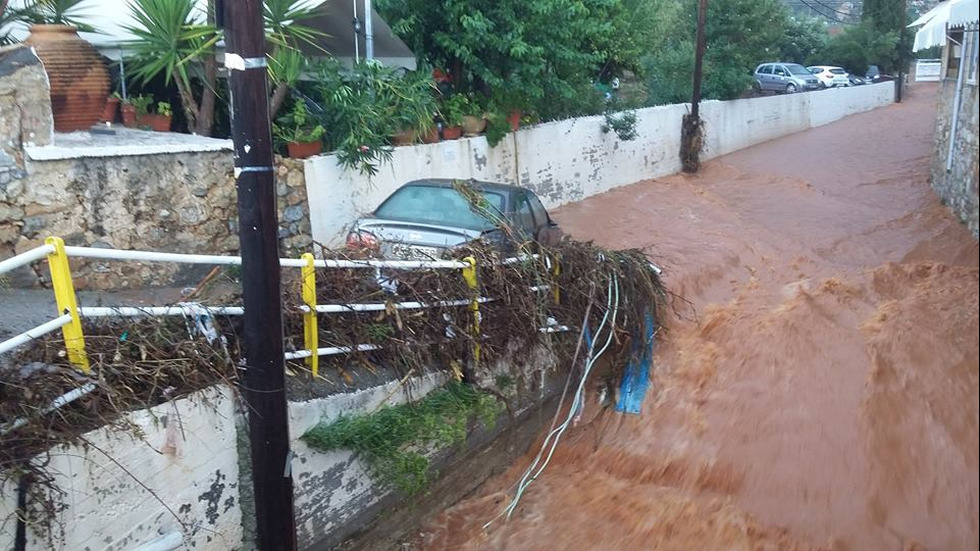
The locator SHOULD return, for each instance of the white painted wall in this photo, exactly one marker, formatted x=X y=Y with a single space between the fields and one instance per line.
x=570 y=160
x=333 y=487
x=188 y=458
x=837 y=103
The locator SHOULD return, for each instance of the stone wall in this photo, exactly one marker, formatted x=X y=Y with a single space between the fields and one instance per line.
x=177 y=202
x=122 y=188
x=957 y=186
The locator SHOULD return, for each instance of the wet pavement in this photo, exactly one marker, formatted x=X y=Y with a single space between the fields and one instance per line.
x=820 y=390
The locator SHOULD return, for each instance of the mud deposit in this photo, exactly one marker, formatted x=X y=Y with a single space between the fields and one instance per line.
x=822 y=390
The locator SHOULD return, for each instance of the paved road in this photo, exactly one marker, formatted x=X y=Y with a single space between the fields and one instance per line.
x=823 y=393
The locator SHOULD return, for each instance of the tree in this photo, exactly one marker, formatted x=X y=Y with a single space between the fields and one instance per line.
x=549 y=50
x=740 y=35
x=859 y=46
x=803 y=38
x=179 y=43
x=885 y=19
x=174 y=41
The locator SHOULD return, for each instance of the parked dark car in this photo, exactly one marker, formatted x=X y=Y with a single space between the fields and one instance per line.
x=425 y=218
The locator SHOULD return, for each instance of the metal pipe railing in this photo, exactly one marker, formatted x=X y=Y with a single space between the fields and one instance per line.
x=137 y=311
x=25 y=258
x=37 y=332
x=57 y=255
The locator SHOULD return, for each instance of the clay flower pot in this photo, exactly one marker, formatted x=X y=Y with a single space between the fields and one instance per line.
x=78 y=78
x=129 y=115
x=514 y=119
x=156 y=122
x=452 y=132
x=405 y=137
x=432 y=136
x=302 y=150
x=473 y=126
x=110 y=110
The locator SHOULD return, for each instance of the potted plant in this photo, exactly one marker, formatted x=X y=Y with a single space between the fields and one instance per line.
x=453 y=109
x=77 y=76
x=128 y=113
x=141 y=108
x=160 y=121
x=511 y=104
x=111 y=108
x=474 y=118
x=412 y=106
x=300 y=131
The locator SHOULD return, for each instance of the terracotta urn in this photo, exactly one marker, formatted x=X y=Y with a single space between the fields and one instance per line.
x=77 y=75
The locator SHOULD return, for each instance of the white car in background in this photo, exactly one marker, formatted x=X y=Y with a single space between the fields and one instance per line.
x=830 y=76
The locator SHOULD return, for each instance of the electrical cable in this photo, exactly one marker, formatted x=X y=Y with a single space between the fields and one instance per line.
x=612 y=304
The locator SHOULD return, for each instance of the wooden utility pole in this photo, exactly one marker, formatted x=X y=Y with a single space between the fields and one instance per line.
x=691 y=124
x=900 y=90
x=263 y=380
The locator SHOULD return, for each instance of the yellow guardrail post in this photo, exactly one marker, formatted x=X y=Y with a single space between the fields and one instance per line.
x=64 y=295
x=310 y=332
x=469 y=276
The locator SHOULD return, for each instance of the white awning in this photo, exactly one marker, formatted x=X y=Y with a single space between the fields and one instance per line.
x=333 y=18
x=951 y=13
x=964 y=12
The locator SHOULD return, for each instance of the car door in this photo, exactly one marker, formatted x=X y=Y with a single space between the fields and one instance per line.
x=779 y=77
x=546 y=231
x=764 y=76
x=524 y=222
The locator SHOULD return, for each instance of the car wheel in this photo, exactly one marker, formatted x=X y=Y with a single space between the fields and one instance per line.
x=790 y=88
x=756 y=87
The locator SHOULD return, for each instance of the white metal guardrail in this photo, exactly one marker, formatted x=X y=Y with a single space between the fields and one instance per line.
x=57 y=254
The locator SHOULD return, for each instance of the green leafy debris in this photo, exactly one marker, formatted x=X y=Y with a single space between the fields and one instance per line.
x=392 y=440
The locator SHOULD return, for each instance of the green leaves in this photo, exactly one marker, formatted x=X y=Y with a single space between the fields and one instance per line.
x=169 y=35
x=391 y=439
x=55 y=12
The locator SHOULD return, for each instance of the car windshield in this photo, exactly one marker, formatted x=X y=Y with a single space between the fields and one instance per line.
x=815 y=70
x=798 y=69
x=442 y=206
x=838 y=71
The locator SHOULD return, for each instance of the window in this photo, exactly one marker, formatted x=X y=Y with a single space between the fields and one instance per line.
x=437 y=205
x=954 y=51
x=523 y=216
x=766 y=69
x=538 y=210
x=779 y=71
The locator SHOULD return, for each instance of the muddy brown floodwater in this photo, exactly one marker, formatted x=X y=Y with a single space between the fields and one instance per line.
x=824 y=393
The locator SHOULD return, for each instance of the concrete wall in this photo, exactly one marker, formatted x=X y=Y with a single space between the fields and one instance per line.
x=186 y=457
x=573 y=159
x=189 y=459
x=957 y=186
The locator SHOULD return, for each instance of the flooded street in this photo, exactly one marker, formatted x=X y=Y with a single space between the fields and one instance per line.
x=821 y=389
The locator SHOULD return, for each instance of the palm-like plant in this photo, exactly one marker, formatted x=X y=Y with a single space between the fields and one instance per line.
x=286 y=34
x=174 y=41
x=55 y=12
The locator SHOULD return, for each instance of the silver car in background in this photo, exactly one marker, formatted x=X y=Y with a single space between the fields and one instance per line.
x=785 y=77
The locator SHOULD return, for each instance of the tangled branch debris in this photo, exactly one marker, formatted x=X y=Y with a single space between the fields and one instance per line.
x=138 y=363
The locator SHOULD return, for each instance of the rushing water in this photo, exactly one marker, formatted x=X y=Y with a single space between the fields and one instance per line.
x=822 y=392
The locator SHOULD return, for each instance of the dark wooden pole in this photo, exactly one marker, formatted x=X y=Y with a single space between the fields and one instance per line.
x=691 y=123
x=263 y=383
x=698 y=60
x=900 y=91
